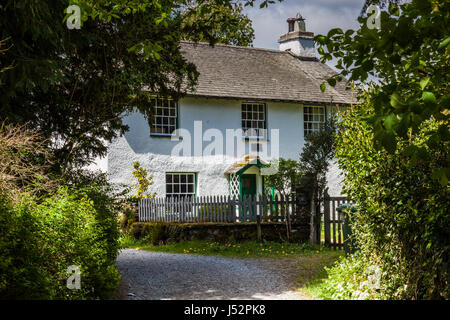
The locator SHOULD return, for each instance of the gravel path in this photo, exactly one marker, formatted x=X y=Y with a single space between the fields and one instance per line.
x=156 y=276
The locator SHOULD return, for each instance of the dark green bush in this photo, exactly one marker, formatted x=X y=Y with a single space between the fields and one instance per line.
x=157 y=233
x=40 y=240
x=106 y=200
x=402 y=225
x=127 y=218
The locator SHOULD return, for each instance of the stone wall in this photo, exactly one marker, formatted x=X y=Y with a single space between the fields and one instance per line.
x=220 y=232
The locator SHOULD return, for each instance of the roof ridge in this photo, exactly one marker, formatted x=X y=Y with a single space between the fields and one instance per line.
x=248 y=48
x=232 y=46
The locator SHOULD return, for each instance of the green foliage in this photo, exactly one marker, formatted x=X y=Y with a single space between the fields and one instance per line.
x=267 y=249
x=127 y=218
x=107 y=201
x=231 y=26
x=402 y=222
x=45 y=228
x=157 y=233
x=318 y=151
x=75 y=85
x=350 y=278
x=145 y=180
x=380 y=3
x=285 y=179
x=409 y=57
x=40 y=240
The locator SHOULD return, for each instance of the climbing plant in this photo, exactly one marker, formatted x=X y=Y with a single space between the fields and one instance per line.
x=144 y=181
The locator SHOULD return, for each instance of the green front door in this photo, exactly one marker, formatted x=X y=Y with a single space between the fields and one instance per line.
x=248 y=187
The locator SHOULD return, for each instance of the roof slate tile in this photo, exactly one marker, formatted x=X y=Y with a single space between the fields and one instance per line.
x=262 y=74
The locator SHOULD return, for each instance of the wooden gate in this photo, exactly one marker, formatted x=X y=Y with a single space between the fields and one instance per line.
x=333 y=221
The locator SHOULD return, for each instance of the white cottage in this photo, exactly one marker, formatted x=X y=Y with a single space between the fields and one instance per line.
x=250 y=106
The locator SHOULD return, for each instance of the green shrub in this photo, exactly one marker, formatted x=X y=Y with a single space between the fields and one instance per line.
x=127 y=218
x=403 y=220
x=351 y=278
x=158 y=234
x=106 y=200
x=144 y=181
x=39 y=241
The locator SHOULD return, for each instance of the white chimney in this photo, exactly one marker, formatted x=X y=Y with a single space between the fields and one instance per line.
x=298 y=40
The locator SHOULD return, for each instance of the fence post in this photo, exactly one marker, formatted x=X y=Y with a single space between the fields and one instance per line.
x=258 y=227
x=326 y=217
x=287 y=215
x=316 y=217
x=233 y=209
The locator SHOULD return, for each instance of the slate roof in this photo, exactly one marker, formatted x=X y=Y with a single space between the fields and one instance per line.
x=235 y=72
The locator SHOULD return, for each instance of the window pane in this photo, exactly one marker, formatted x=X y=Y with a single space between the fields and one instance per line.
x=165 y=112
x=253 y=117
x=314 y=118
x=181 y=184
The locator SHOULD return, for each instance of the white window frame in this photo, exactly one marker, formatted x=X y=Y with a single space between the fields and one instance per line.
x=176 y=185
x=165 y=116
x=254 y=112
x=313 y=121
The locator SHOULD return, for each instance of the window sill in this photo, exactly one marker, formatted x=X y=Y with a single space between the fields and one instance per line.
x=166 y=136
x=255 y=139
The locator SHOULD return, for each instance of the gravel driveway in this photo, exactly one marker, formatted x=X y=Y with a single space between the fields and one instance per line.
x=156 y=276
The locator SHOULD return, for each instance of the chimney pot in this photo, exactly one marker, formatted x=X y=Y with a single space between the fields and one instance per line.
x=297 y=39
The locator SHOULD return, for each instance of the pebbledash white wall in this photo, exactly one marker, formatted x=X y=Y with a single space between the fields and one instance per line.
x=155 y=153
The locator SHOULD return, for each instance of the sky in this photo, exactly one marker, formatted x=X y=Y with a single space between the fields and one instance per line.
x=321 y=16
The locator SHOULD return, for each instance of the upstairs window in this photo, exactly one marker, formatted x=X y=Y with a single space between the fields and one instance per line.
x=165 y=115
x=254 y=119
x=313 y=119
x=180 y=185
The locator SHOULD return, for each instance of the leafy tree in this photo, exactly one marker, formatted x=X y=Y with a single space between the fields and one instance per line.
x=230 y=25
x=316 y=155
x=409 y=58
x=74 y=85
x=380 y=3
x=285 y=179
x=403 y=215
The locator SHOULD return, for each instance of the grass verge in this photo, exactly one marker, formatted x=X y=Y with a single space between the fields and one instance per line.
x=247 y=249
x=311 y=283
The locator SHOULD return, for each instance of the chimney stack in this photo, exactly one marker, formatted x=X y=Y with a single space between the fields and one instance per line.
x=298 y=40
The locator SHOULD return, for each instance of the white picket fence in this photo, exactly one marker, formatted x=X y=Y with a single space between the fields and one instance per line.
x=217 y=209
